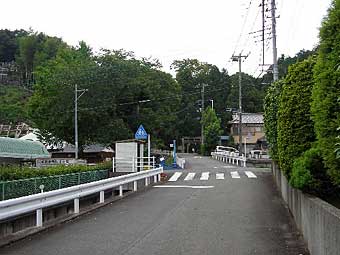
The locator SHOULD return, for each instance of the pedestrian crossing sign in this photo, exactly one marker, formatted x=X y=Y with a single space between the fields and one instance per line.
x=141 y=133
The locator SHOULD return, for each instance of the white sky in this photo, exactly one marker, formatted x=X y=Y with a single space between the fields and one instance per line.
x=168 y=30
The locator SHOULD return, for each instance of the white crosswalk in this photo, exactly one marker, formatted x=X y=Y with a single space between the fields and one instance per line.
x=205 y=176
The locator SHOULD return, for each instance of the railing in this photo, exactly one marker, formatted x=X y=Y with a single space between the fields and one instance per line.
x=230 y=158
x=19 y=206
x=25 y=187
x=133 y=164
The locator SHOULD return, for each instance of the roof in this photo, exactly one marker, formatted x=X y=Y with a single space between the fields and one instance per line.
x=248 y=118
x=93 y=148
x=23 y=149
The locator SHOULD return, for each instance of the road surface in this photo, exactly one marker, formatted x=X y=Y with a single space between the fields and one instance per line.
x=210 y=208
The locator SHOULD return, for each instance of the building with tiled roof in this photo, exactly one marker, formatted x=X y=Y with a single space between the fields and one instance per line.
x=252 y=129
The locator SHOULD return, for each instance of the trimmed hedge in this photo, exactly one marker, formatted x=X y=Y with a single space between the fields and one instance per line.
x=295 y=128
x=271 y=105
x=17 y=173
x=326 y=91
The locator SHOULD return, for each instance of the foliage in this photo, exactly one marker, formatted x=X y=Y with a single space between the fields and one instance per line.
x=295 y=128
x=9 y=44
x=325 y=108
x=16 y=172
x=271 y=105
x=123 y=92
x=13 y=102
x=252 y=93
x=309 y=173
x=211 y=130
x=191 y=74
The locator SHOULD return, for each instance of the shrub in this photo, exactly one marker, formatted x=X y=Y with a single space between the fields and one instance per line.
x=16 y=172
x=271 y=105
x=295 y=128
x=309 y=174
x=325 y=108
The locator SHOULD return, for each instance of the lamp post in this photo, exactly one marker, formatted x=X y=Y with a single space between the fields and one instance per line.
x=212 y=103
x=76 y=97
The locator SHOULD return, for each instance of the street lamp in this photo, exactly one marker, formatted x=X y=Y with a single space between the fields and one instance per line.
x=76 y=97
x=212 y=103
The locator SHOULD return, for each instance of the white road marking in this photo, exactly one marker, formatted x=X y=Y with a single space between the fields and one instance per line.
x=197 y=157
x=189 y=177
x=183 y=186
x=175 y=177
x=227 y=166
x=215 y=167
x=204 y=176
x=250 y=174
x=235 y=175
x=219 y=176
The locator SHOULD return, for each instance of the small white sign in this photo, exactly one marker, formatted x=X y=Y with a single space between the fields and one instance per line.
x=171 y=145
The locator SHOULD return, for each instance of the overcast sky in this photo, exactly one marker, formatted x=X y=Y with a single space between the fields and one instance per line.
x=208 y=30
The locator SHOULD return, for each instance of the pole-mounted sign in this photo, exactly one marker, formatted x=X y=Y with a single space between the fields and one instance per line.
x=141 y=133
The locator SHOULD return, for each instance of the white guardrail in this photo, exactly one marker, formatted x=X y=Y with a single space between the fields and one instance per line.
x=37 y=202
x=230 y=158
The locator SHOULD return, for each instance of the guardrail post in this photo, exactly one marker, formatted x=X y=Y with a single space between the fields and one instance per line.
x=135 y=186
x=155 y=178
x=113 y=165
x=101 y=197
x=3 y=191
x=153 y=162
x=133 y=164
x=146 y=181
x=76 y=205
x=39 y=218
x=121 y=190
x=159 y=177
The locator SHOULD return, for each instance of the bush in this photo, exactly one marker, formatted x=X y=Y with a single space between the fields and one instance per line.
x=309 y=174
x=295 y=128
x=16 y=172
x=325 y=106
x=271 y=105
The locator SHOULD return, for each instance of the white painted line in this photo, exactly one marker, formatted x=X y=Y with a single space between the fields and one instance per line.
x=215 y=167
x=204 y=176
x=175 y=177
x=189 y=177
x=227 y=166
x=183 y=186
x=219 y=176
x=250 y=174
x=235 y=175
x=197 y=157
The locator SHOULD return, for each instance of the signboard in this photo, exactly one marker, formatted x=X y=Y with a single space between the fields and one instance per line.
x=141 y=133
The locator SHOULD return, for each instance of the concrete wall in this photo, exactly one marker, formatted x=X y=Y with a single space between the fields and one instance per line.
x=318 y=221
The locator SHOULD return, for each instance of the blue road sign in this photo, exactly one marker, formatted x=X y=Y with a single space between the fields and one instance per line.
x=141 y=133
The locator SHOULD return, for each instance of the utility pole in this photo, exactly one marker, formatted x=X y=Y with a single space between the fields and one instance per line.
x=238 y=58
x=76 y=97
x=202 y=113
x=263 y=25
x=275 y=67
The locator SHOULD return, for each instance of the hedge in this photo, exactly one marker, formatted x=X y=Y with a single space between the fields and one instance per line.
x=326 y=91
x=16 y=172
x=271 y=105
x=295 y=128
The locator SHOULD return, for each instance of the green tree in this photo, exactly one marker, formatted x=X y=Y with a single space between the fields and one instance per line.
x=9 y=44
x=325 y=108
x=211 y=130
x=271 y=105
x=295 y=128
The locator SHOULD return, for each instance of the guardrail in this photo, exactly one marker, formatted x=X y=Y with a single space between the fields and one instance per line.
x=230 y=158
x=37 y=202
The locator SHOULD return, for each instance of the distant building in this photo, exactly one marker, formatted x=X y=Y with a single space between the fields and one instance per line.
x=16 y=151
x=252 y=130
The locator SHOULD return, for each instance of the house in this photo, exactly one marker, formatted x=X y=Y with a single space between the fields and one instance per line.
x=16 y=151
x=252 y=130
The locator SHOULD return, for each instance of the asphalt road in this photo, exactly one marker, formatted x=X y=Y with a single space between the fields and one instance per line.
x=233 y=216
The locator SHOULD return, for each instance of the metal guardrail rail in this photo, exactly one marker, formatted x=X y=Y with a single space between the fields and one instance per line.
x=37 y=202
x=230 y=158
